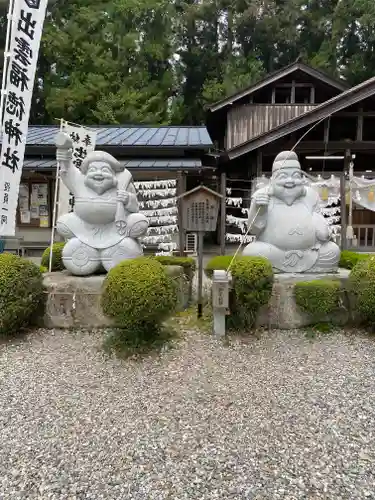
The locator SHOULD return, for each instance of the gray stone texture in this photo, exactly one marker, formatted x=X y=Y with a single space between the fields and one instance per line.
x=104 y=227
x=282 y=310
x=286 y=220
x=74 y=301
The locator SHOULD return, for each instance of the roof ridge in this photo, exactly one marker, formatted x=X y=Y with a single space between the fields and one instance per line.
x=135 y=137
x=37 y=125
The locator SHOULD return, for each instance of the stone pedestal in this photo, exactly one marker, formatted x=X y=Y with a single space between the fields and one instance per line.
x=75 y=301
x=282 y=310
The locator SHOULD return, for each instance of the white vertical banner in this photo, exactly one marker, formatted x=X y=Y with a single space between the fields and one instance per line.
x=84 y=142
x=27 y=26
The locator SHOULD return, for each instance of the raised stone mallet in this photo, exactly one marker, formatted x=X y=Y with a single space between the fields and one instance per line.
x=63 y=141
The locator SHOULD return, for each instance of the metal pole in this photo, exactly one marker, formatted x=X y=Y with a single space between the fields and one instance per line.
x=7 y=56
x=223 y=210
x=349 y=229
x=350 y=215
x=180 y=191
x=55 y=203
x=200 y=274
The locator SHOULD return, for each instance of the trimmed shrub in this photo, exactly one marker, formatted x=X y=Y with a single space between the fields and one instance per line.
x=252 y=289
x=139 y=295
x=362 y=287
x=189 y=266
x=57 y=263
x=43 y=269
x=349 y=259
x=318 y=297
x=220 y=262
x=188 y=263
x=21 y=293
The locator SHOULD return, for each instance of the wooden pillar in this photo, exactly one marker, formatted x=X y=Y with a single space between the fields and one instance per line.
x=273 y=96
x=259 y=168
x=343 y=211
x=181 y=188
x=344 y=221
x=360 y=125
x=312 y=95
x=293 y=93
x=326 y=130
x=223 y=211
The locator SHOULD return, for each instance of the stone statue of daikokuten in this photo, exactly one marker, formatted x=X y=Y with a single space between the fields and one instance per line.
x=286 y=220
x=105 y=225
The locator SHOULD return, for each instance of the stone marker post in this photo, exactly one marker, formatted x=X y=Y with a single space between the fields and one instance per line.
x=220 y=300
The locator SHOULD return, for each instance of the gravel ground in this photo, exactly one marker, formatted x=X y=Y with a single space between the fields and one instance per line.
x=283 y=417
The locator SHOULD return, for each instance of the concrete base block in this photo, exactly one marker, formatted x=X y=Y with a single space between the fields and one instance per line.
x=75 y=301
x=282 y=310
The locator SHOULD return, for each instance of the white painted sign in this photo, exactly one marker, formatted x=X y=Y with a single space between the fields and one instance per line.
x=84 y=142
x=27 y=26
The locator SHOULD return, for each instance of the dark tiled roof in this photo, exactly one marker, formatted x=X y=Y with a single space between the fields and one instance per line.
x=149 y=164
x=163 y=164
x=188 y=137
x=36 y=164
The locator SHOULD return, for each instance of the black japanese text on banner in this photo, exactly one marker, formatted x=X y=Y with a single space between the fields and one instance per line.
x=28 y=20
x=84 y=142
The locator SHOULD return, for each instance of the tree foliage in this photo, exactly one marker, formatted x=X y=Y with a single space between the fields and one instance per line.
x=162 y=61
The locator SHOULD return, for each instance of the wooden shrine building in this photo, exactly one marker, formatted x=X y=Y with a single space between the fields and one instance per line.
x=297 y=106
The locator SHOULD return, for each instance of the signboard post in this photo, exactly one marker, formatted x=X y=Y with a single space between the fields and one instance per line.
x=200 y=208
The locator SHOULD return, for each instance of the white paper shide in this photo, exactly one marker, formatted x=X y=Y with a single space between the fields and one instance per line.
x=27 y=25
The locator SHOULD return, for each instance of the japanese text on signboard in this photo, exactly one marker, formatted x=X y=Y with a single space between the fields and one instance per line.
x=84 y=142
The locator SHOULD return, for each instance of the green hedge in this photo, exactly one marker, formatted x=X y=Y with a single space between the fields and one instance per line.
x=252 y=289
x=188 y=263
x=139 y=295
x=57 y=263
x=318 y=297
x=220 y=262
x=21 y=293
x=362 y=287
x=349 y=259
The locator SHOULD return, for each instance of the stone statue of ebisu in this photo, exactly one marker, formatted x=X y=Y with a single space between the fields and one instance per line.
x=105 y=225
x=289 y=228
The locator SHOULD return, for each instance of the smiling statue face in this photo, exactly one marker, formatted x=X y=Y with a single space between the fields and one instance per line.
x=100 y=177
x=288 y=184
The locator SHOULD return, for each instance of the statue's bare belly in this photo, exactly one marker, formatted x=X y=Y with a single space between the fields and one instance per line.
x=289 y=227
